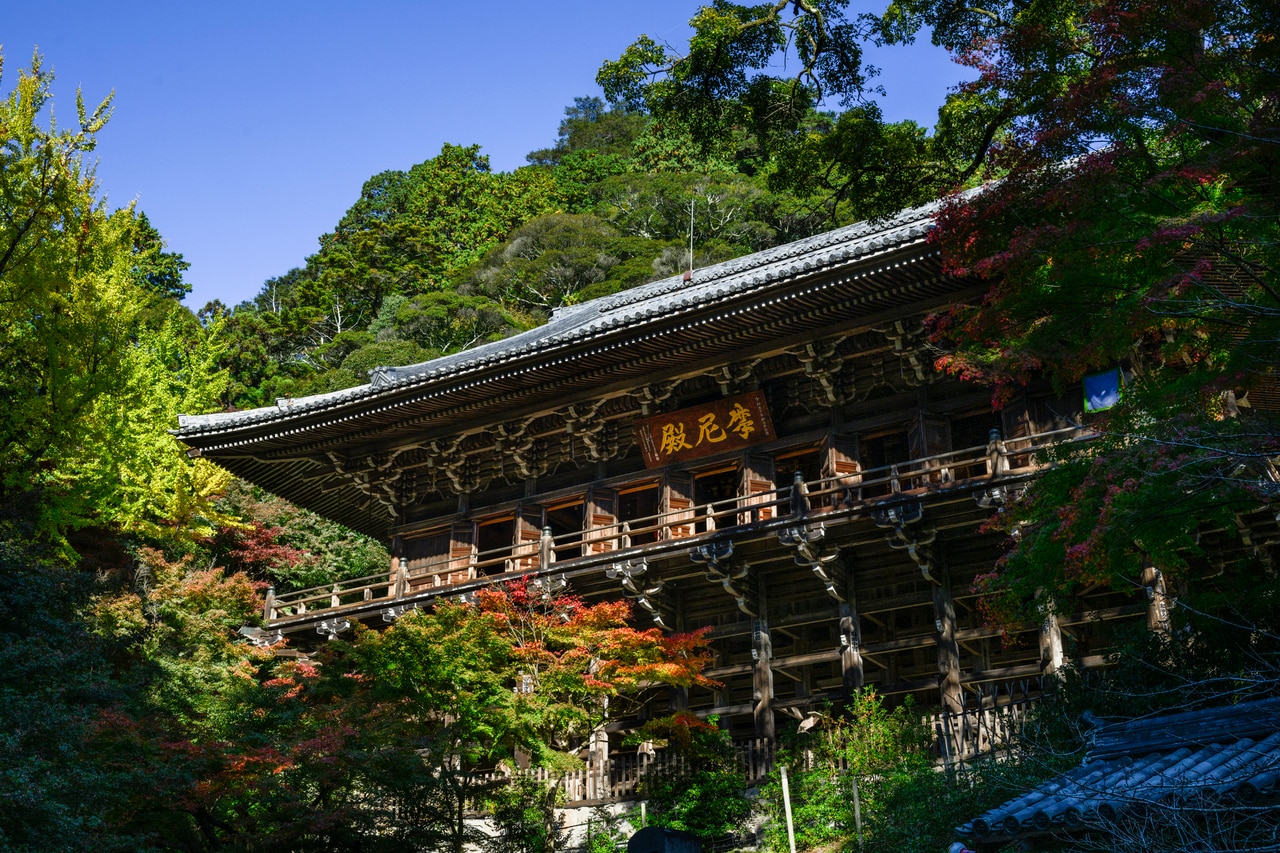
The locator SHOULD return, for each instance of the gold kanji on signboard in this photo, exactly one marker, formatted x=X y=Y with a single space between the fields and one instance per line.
x=699 y=431
x=740 y=421
x=709 y=430
x=673 y=439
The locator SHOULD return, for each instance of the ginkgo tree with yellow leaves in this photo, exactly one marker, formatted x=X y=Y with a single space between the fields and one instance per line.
x=95 y=360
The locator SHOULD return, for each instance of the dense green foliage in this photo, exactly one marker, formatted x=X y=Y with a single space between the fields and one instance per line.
x=698 y=788
x=449 y=255
x=1154 y=249
x=96 y=358
x=902 y=802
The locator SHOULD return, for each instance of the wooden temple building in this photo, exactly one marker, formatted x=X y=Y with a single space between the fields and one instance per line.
x=765 y=448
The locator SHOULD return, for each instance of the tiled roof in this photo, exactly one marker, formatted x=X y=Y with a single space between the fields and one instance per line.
x=1200 y=759
x=633 y=308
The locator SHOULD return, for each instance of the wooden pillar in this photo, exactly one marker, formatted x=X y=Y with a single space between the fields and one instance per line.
x=944 y=610
x=1157 y=600
x=762 y=680
x=1050 y=645
x=762 y=669
x=678 y=695
x=598 y=765
x=851 y=640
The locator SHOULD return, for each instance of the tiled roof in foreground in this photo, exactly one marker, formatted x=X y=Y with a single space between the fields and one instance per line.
x=1206 y=759
x=634 y=308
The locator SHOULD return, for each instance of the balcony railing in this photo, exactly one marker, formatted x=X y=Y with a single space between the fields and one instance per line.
x=967 y=470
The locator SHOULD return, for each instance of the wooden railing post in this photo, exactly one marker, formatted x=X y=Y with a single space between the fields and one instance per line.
x=1152 y=580
x=402 y=578
x=800 y=506
x=994 y=454
x=334 y=601
x=269 y=607
x=546 y=549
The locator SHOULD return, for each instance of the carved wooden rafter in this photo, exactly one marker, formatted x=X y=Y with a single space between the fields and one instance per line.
x=374 y=476
x=331 y=628
x=597 y=435
x=515 y=442
x=808 y=540
x=548 y=587
x=906 y=534
x=628 y=574
x=910 y=345
x=737 y=377
x=733 y=575
x=653 y=396
x=445 y=457
x=823 y=364
x=812 y=551
x=407 y=488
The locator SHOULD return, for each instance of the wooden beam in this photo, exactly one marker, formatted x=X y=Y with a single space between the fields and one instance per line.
x=788 y=662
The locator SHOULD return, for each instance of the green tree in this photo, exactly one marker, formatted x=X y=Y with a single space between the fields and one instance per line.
x=159 y=271
x=591 y=125
x=411 y=234
x=59 y=683
x=903 y=801
x=449 y=321
x=1154 y=252
x=414 y=231
x=288 y=547
x=519 y=669
x=720 y=102
x=698 y=786
x=94 y=363
x=547 y=262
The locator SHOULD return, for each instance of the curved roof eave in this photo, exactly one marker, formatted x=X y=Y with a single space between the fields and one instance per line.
x=628 y=310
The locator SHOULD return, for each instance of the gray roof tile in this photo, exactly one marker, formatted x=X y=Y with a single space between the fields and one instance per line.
x=1199 y=759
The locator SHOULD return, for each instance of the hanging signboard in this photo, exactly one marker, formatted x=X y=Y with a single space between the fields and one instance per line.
x=728 y=424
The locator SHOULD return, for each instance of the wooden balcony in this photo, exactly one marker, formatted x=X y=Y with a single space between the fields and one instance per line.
x=987 y=473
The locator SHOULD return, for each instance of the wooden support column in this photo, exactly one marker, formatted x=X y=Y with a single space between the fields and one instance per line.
x=851 y=649
x=761 y=670
x=944 y=610
x=1157 y=600
x=762 y=680
x=678 y=695
x=851 y=638
x=598 y=765
x=1050 y=645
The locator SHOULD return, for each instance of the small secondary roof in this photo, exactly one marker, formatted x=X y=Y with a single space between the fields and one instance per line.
x=1206 y=760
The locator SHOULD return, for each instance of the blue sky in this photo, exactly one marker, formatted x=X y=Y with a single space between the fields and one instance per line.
x=244 y=130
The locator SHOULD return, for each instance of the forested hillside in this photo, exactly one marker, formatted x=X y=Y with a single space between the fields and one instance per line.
x=448 y=254
x=1131 y=156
